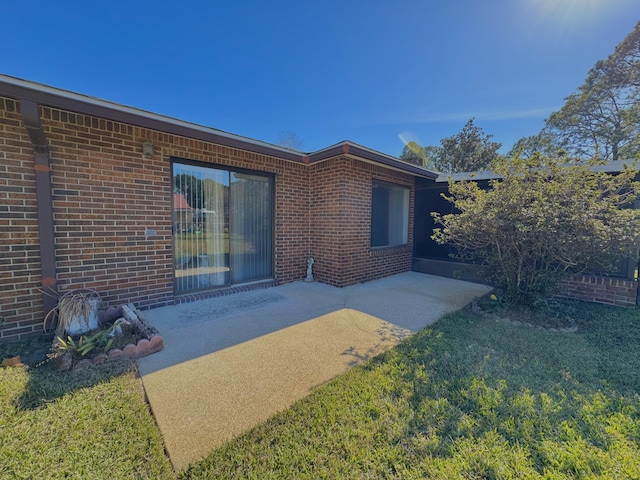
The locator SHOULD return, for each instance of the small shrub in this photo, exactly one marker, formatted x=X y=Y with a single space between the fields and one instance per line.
x=101 y=339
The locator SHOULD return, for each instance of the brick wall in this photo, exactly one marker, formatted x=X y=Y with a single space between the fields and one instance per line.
x=340 y=207
x=325 y=231
x=106 y=194
x=608 y=290
x=589 y=288
x=20 y=300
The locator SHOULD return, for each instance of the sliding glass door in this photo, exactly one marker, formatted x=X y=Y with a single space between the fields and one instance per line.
x=251 y=240
x=223 y=226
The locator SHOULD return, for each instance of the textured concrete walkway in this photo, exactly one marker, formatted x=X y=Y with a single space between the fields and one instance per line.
x=230 y=363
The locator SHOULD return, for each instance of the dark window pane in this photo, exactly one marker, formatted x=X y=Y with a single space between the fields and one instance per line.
x=379 y=216
x=389 y=215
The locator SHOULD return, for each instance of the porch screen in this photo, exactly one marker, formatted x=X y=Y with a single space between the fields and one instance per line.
x=222 y=227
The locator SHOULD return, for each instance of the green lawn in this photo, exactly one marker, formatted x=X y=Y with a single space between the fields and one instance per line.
x=467 y=398
x=193 y=244
x=92 y=424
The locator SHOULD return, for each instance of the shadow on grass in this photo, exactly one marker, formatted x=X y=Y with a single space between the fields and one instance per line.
x=87 y=424
x=47 y=384
x=44 y=383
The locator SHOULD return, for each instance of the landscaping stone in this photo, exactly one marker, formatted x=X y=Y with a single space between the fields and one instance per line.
x=156 y=343
x=129 y=350
x=65 y=362
x=143 y=347
x=115 y=353
x=82 y=364
x=12 y=362
x=110 y=314
x=98 y=359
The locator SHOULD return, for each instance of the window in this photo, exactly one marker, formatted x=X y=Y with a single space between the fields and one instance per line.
x=389 y=215
x=222 y=226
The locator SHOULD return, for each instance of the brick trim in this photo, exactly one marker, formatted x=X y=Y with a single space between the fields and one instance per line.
x=598 y=289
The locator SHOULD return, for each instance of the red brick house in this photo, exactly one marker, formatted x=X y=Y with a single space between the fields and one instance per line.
x=88 y=193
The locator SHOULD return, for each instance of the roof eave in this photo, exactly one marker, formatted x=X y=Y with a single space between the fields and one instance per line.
x=354 y=150
x=87 y=105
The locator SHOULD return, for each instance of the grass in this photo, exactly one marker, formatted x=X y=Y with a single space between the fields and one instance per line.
x=85 y=425
x=467 y=398
x=193 y=244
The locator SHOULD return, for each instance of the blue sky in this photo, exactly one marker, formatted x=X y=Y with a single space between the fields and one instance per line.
x=373 y=72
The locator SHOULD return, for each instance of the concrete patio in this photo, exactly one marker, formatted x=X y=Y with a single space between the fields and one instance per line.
x=232 y=362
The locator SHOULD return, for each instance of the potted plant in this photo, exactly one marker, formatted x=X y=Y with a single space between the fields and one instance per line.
x=76 y=312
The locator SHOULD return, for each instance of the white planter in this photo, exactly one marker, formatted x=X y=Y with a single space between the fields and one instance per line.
x=83 y=323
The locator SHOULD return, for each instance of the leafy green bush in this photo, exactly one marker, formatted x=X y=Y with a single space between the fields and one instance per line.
x=540 y=221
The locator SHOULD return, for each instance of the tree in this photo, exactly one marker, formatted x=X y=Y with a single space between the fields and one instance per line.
x=621 y=67
x=540 y=221
x=418 y=155
x=290 y=140
x=542 y=144
x=191 y=188
x=467 y=151
x=413 y=153
x=603 y=117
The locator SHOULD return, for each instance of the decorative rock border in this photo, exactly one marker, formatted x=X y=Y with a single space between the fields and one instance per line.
x=475 y=308
x=151 y=342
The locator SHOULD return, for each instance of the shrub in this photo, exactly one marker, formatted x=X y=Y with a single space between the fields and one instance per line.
x=540 y=221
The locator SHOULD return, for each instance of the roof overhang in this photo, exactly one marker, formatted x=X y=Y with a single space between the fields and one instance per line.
x=461 y=176
x=353 y=150
x=86 y=105
x=83 y=104
x=615 y=166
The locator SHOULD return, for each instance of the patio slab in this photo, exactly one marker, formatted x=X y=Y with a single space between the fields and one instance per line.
x=230 y=363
